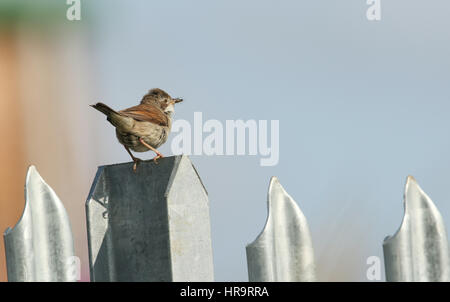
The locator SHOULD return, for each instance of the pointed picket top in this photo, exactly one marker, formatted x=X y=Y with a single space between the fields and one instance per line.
x=418 y=251
x=40 y=246
x=283 y=251
x=149 y=225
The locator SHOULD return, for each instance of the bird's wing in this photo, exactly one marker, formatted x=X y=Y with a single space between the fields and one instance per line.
x=146 y=113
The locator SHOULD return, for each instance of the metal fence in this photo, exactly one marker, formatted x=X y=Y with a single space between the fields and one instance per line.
x=153 y=225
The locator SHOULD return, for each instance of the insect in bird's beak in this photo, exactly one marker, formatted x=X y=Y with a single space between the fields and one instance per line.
x=177 y=100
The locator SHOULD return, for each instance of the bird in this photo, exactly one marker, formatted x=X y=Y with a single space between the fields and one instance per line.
x=143 y=127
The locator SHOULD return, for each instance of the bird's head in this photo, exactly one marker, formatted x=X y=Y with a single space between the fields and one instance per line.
x=161 y=98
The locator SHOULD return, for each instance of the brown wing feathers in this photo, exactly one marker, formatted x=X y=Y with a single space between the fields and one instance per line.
x=146 y=113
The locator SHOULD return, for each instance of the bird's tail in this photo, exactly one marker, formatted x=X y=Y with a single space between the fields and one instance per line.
x=105 y=109
x=114 y=117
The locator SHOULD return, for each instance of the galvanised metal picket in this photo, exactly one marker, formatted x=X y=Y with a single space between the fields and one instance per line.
x=154 y=225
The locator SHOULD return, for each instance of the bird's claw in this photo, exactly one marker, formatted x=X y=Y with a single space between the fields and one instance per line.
x=136 y=162
x=156 y=158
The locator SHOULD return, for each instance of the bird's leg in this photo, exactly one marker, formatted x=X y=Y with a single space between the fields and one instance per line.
x=158 y=155
x=135 y=159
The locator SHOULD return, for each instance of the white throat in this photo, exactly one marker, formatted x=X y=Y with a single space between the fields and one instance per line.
x=169 y=109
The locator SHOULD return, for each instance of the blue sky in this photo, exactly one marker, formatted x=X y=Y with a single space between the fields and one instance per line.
x=361 y=105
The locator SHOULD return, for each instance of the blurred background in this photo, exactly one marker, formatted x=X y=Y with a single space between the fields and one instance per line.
x=361 y=105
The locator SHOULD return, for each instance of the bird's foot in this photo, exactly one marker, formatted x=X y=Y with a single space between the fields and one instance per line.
x=136 y=162
x=158 y=155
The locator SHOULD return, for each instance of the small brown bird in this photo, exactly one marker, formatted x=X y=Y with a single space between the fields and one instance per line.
x=145 y=126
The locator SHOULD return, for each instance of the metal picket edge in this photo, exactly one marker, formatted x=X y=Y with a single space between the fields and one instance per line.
x=419 y=250
x=283 y=251
x=40 y=246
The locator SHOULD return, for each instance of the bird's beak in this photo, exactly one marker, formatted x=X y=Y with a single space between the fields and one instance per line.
x=177 y=100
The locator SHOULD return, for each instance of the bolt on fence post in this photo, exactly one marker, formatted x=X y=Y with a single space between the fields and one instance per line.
x=149 y=225
x=283 y=251
x=418 y=251
x=40 y=246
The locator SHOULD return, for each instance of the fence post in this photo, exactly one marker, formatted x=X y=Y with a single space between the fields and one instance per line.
x=283 y=251
x=149 y=225
x=40 y=246
x=419 y=249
